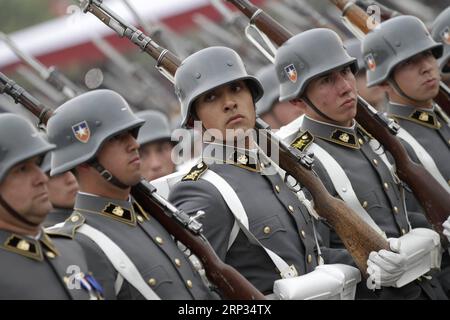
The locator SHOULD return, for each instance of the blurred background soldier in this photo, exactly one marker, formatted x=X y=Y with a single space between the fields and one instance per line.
x=62 y=190
x=155 y=145
x=441 y=33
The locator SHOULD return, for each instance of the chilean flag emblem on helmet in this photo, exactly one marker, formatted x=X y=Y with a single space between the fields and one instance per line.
x=81 y=131
x=291 y=72
x=370 y=62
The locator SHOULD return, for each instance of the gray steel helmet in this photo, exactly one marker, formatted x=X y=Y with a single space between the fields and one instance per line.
x=19 y=141
x=207 y=69
x=393 y=42
x=268 y=78
x=156 y=127
x=441 y=33
x=353 y=47
x=81 y=125
x=309 y=55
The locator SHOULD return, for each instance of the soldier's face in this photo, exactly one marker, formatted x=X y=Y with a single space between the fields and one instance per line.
x=335 y=95
x=156 y=159
x=228 y=107
x=62 y=190
x=25 y=189
x=120 y=156
x=418 y=77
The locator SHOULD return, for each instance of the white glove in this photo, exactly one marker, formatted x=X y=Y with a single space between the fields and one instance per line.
x=385 y=267
x=446 y=226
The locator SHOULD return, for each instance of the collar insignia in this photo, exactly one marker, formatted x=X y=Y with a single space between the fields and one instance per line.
x=303 y=141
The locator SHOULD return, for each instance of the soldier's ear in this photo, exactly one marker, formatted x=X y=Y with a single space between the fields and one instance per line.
x=299 y=103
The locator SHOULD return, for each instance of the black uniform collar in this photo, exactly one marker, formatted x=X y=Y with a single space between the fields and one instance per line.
x=345 y=136
x=118 y=210
x=27 y=246
x=424 y=117
x=248 y=159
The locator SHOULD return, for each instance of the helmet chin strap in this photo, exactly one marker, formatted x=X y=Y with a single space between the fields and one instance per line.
x=108 y=176
x=400 y=92
x=312 y=106
x=15 y=214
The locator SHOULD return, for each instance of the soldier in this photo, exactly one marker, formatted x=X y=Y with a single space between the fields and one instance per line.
x=155 y=145
x=253 y=221
x=319 y=78
x=376 y=95
x=275 y=113
x=401 y=57
x=440 y=32
x=33 y=265
x=62 y=190
x=136 y=257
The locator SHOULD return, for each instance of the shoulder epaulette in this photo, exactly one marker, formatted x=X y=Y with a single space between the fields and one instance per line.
x=303 y=141
x=68 y=227
x=195 y=172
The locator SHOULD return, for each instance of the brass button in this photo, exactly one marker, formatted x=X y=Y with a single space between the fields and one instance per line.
x=395 y=209
x=266 y=230
x=189 y=284
x=302 y=232
x=375 y=162
x=361 y=141
x=439 y=125
x=152 y=282
x=66 y=280
x=277 y=188
x=159 y=240
x=403 y=231
x=309 y=258
x=178 y=262
x=448 y=141
x=75 y=218
x=140 y=219
x=385 y=185
x=365 y=204
x=291 y=208
x=263 y=165
x=50 y=254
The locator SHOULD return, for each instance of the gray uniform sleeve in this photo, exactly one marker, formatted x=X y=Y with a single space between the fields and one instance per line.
x=191 y=196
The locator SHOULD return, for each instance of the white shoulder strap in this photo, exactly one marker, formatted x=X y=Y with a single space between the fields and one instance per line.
x=241 y=221
x=124 y=266
x=424 y=157
x=342 y=185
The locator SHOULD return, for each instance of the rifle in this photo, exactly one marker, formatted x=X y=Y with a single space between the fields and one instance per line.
x=434 y=199
x=358 y=18
x=51 y=75
x=346 y=222
x=183 y=227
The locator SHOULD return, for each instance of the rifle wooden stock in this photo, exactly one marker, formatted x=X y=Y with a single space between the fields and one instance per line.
x=358 y=17
x=228 y=281
x=431 y=195
x=358 y=237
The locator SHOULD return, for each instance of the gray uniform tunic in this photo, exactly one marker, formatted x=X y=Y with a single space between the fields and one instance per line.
x=42 y=268
x=276 y=217
x=375 y=188
x=149 y=246
x=429 y=129
x=432 y=132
